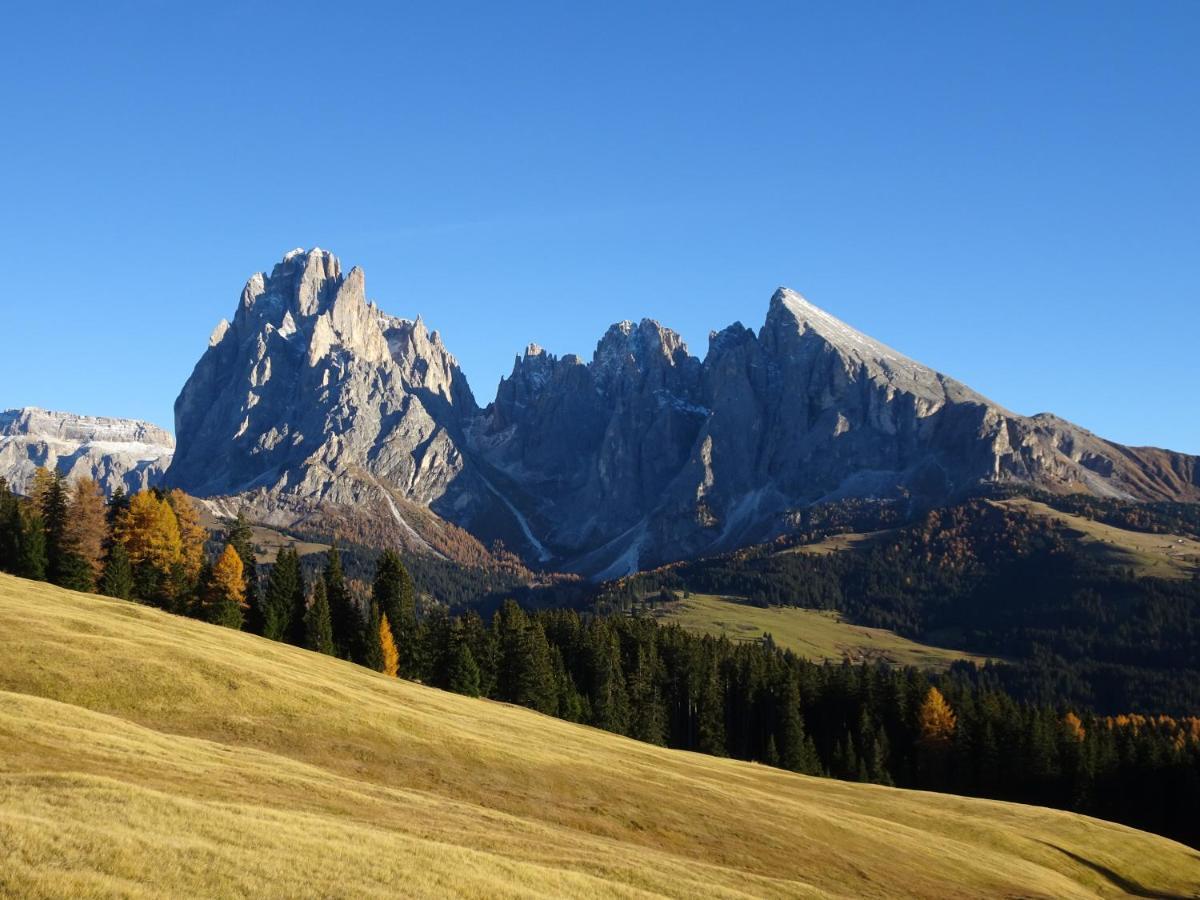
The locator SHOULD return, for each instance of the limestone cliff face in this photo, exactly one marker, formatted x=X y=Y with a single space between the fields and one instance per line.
x=116 y=453
x=314 y=404
x=648 y=455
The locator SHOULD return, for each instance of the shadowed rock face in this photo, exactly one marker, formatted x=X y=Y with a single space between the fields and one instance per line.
x=116 y=453
x=312 y=399
x=648 y=455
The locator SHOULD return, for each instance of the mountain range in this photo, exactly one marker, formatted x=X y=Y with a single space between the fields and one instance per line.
x=315 y=410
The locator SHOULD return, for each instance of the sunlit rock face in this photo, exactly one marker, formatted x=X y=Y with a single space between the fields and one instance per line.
x=116 y=453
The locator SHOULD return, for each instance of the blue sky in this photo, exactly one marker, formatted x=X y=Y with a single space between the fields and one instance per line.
x=1009 y=192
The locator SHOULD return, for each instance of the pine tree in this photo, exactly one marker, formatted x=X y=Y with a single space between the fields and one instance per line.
x=387 y=644
x=10 y=528
x=279 y=598
x=318 y=628
x=239 y=536
x=393 y=591
x=343 y=615
x=370 y=644
x=434 y=636
x=118 y=503
x=51 y=499
x=648 y=714
x=464 y=672
x=225 y=593
x=117 y=580
x=298 y=608
x=31 y=550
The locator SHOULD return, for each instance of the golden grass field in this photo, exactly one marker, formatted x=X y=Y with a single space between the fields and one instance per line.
x=814 y=634
x=145 y=755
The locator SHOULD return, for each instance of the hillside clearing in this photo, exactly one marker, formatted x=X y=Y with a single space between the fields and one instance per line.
x=814 y=634
x=143 y=754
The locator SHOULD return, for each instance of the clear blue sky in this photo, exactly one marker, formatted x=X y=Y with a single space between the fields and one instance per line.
x=1009 y=192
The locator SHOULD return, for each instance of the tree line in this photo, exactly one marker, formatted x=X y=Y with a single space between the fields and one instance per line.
x=958 y=732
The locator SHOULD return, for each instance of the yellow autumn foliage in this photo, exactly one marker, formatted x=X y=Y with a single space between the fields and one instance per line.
x=150 y=532
x=936 y=719
x=391 y=656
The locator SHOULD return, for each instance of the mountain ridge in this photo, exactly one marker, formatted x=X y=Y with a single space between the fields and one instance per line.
x=312 y=407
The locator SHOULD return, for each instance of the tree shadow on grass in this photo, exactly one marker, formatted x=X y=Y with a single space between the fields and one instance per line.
x=1129 y=886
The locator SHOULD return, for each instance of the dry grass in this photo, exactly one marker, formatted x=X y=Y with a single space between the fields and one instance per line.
x=147 y=755
x=818 y=635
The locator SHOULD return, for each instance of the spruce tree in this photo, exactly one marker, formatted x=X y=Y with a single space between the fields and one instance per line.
x=10 y=528
x=239 y=536
x=279 y=598
x=52 y=504
x=370 y=653
x=318 y=627
x=298 y=610
x=464 y=671
x=117 y=580
x=343 y=614
x=393 y=591
x=31 y=552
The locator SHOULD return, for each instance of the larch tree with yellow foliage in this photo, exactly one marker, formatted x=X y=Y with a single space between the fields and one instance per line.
x=936 y=719
x=150 y=533
x=224 y=597
x=391 y=656
x=191 y=533
x=936 y=724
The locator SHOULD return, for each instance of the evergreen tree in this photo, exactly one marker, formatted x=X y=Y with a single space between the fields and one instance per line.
x=370 y=643
x=51 y=498
x=297 y=628
x=10 y=528
x=343 y=614
x=648 y=716
x=525 y=674
x=393 y=591
x=464 y=672
x=117 y=580
x=318 y=626
x=31 y=550
x=435 y=647
x=284 y=585
x=118 y=503
x=225 y=593
x=239 y=536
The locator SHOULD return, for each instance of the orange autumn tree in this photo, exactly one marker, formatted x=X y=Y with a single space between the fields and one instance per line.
x=391 y=656
x=86 y=529
x=1073 y=727
x=224 y=597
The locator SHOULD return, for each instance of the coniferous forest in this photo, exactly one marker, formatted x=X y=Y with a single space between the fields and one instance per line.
x=966 y=731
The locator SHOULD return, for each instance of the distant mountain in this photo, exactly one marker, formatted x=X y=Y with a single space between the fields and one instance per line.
x=115 y=452
x=314 y=406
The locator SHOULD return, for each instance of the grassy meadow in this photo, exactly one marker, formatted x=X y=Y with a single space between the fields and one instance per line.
x=817 y=635
x=146 y=755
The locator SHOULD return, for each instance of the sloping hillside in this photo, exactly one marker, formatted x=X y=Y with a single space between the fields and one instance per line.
x=143 y=754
